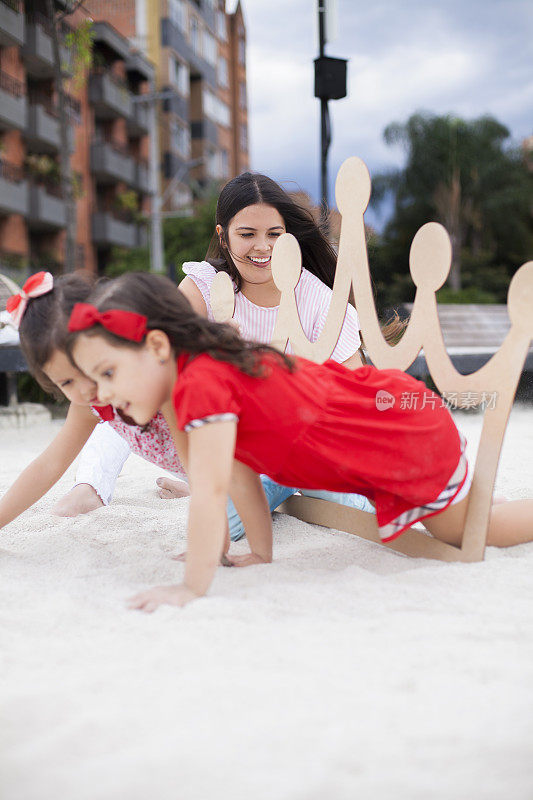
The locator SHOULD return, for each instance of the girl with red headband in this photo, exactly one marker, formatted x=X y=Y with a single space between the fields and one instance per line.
x=41 y=311
x=236 y=408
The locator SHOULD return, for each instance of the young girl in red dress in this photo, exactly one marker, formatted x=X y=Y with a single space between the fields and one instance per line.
x=237 y=408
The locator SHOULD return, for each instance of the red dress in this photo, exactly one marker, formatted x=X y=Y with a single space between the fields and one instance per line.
x=327 y=427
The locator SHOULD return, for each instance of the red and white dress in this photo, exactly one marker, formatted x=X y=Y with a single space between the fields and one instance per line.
x=103 y=457
x=321 y=427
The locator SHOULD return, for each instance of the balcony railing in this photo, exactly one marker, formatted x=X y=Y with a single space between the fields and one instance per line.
x=14 y=5
x=12 y=24
x=111 y=161
x=10 y=172
x=11 y=85
x=110 y=96
x=38 y=18
x=47 y=208
x=13 y=189
x=72 y=106
x=37 y=51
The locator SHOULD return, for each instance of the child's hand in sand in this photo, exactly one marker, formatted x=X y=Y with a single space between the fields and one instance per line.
x=246 y=560
x=178 y=595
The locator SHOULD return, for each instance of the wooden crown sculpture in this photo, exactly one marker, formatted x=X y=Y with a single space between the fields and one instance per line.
x=429 y=262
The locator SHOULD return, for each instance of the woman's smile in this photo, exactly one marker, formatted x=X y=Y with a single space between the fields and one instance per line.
x=260 y=261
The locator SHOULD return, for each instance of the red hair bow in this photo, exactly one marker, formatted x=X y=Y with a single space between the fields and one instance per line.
x=126 y=324
x=35 y=286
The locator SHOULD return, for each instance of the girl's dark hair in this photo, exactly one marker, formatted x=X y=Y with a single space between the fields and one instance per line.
x=167 y=309
x=43 y=328
x=318 y=255
x=251 y=188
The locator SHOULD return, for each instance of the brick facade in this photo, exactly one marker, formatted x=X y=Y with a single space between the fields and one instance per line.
x=102 y=115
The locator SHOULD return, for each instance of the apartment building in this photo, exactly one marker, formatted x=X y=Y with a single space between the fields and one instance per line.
x=199 y=53
x=108 y=141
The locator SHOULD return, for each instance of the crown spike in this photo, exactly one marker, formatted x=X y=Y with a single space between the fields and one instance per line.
x=222 y=297
x=353 y=187
x=430 y=257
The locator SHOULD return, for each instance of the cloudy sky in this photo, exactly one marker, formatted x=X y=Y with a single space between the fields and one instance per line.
x=468 y=57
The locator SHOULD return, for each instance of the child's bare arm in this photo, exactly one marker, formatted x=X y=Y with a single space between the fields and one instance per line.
x=210 y=456
x=47 y=468
x=209 y=459
x=247 y=493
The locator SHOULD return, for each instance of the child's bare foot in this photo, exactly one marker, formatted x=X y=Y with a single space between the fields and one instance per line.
x=170 y=489
x=80 y=500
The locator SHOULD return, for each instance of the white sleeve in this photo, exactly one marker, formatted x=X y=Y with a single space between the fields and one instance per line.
x=101 y=461
x=202 y=273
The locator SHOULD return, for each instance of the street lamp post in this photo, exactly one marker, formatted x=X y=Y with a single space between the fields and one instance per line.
x=156 y=229
x=330 y=84
x=158 y=200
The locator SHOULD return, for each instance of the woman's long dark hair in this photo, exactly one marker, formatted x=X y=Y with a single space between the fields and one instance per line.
x=251 y=188
x=168 y=310
x=43 y=328
x=318 y=255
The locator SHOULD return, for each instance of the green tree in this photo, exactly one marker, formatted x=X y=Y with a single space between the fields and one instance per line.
x=185 y=239
x=462 y=174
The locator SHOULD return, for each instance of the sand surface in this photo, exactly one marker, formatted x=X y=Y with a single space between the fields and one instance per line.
x=340 y=671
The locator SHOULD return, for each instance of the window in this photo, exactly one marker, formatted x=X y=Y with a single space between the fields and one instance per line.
x=221 y=26
x=182 y=199
x=178 y=75
x=180 y=138
x=196 y=32
x=210 y=48
x=242 y=94
x=244 y=137
x=222 y=73
x=216 y=109
x=178 y=13
x=211 y=163
x=242 y=51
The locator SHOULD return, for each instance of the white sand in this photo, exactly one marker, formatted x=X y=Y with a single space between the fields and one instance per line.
x=340 y=671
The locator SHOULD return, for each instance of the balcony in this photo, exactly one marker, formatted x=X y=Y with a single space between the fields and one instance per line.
x=143 y=182
x=109 y=97
x=139 y=121
x=205 y=129
x=110 y=163
x=13 y=104
x=47 y=208
x=139 y=66
x=11 y=23
x=37 y=50
x=42 y=133
x=105 y=34
x=111 y=231
x=13 y=190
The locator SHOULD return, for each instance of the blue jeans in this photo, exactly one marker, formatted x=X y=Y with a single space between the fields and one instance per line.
x=276 y=494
